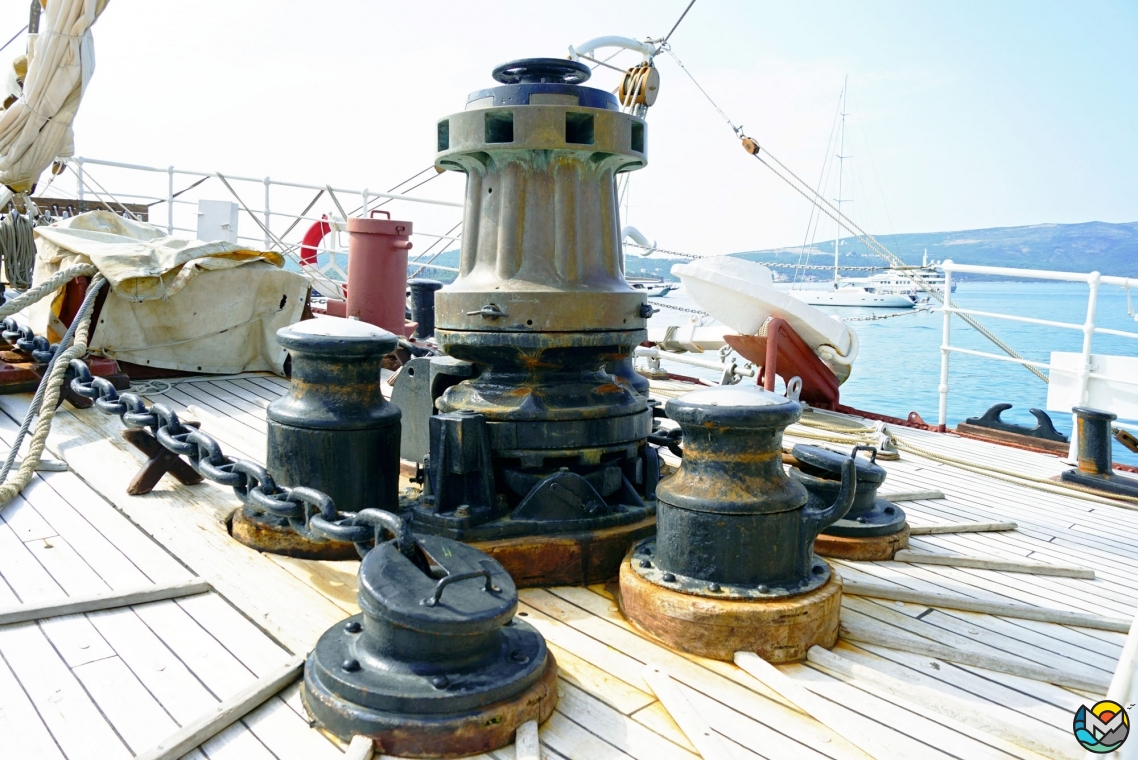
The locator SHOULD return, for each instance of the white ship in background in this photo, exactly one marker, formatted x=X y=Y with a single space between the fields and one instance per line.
x=849 y=292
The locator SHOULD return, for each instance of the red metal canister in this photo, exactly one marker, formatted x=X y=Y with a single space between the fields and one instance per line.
x=377 y=271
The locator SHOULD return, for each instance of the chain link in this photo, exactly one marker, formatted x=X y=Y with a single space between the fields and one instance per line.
x=310 y=513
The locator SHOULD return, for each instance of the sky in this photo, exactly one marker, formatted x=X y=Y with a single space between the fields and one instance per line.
x=961 y=115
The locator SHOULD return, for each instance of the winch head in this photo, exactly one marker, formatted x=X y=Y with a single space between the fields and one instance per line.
x=541 y=251
x=541 y=439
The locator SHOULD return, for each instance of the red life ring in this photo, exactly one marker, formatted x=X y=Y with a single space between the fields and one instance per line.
x=311 y=240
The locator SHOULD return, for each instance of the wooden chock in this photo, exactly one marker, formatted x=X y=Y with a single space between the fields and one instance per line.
x=868 y=549
x=778 y=630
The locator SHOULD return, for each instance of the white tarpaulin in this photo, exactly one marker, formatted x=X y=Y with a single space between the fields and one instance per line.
x=174 y=303
x=36 y=129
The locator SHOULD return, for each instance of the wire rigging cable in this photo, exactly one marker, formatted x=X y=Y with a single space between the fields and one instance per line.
x=805 y=190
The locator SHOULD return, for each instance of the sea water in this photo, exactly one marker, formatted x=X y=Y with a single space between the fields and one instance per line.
x=897 y=370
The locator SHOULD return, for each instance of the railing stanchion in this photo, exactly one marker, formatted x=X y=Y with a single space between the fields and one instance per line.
x=268 y=220
x=170 y=201
x=942 y=416
x=79 y=176
x=1093 y=281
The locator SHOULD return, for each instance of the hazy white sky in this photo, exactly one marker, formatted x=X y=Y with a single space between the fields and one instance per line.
x=963 y=114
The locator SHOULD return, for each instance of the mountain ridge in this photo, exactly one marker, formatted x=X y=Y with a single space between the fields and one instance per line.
x=1107 y=247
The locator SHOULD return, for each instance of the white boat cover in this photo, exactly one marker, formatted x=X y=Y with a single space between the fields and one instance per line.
x=174 y=303
x=741 y=295
x=36 y=129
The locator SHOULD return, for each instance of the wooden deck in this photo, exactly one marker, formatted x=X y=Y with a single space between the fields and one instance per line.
x=112 y=684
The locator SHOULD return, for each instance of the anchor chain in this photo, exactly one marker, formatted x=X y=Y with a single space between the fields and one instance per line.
x=310 y=513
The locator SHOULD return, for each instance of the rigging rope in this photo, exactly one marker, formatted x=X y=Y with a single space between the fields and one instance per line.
x=47 y=395
x=431 y=260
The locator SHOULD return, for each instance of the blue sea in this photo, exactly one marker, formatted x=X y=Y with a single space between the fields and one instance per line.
x=898 y=368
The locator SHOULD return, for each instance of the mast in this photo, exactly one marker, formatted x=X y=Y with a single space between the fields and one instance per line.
x=841 y=160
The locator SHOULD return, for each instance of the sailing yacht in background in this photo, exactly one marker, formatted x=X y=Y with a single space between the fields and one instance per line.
x=849 y=293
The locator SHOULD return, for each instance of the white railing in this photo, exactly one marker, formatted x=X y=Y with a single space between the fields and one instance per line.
x=272 y=206
x=1089 y=329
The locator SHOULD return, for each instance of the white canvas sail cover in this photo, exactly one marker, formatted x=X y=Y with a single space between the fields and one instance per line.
x=211 y=307
x=36 y=129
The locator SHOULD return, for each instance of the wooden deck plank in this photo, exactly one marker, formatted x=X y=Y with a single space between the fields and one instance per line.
x=63 y=704
x=76 y=640
x=287 y=735
x=222 y=673
x=137 y=717
x=230 y=389
x=236 y=743
x=107 y=560
x=158 y=564
x=161 y=671
x=615 y=728
x=23 y=732
x=25 y=521
x=23 y=574
x=245 y=641
x=189 y=521
x=728 y=693
x=65 y=565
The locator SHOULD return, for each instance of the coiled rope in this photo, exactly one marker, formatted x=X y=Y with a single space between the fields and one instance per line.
x=18 y=249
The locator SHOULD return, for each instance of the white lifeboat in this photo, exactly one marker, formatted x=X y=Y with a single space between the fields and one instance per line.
x=741 y=295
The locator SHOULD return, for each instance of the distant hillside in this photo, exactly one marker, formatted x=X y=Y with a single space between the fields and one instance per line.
x=1108 y=248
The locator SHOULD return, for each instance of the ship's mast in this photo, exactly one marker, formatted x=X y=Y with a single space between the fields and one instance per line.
x=841 y=159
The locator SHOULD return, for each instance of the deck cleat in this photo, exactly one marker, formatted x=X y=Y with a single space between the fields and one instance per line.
x=436 y=664
x=540 y=456
x=1096 y=462
x=873 y=529
x=333 y=431
x=732 y=567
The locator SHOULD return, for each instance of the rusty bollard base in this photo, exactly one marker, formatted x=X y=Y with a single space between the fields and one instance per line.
x=436 y=664
x=268 y=534
x=776 y=627
x=873 y=529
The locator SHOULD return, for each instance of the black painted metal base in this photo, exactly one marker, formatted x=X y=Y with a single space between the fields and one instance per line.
x=1120 y=485
x=644 y=565
x=884 y=519
x=424 y=712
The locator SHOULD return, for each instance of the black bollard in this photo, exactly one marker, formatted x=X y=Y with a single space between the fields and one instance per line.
x=423 y=305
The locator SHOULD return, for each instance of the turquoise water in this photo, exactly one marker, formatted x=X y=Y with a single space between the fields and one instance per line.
x=898 y=368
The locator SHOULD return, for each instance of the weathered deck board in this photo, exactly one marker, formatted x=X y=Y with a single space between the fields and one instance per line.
x=77 y=531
